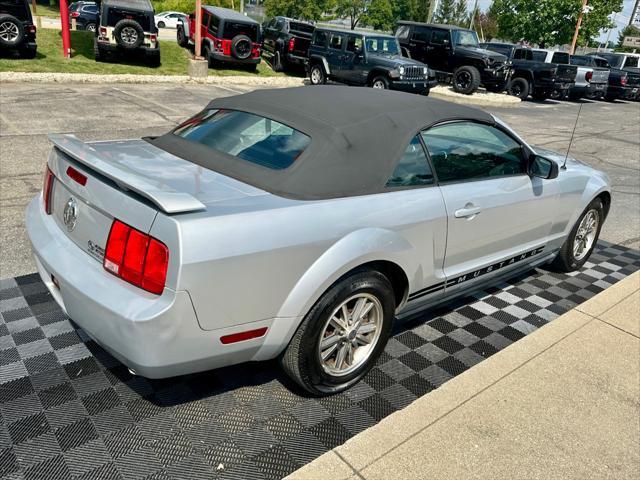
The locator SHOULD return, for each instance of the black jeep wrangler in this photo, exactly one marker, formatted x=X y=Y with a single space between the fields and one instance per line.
x=285 y=42
x=127 y=27
x=365 y=59
x=17 y=31
x=455 y=55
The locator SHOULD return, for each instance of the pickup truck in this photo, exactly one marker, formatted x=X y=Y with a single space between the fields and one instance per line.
x=285 y=42
x=528 y=77
x=628 y=63
x=591 y=81
x=565 y=72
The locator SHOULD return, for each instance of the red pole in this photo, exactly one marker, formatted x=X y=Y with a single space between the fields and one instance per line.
x=197 y=38
x=64 y=21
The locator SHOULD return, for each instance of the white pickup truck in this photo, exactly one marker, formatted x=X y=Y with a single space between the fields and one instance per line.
x=588 y=81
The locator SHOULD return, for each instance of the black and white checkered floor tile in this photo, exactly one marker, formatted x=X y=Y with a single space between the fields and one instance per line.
x=68 y=410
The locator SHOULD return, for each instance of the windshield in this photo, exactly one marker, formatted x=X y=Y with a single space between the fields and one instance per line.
x=247 y=136
x=465 y=38
x=382 y=45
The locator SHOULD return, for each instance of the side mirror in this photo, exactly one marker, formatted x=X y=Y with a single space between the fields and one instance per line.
x=543 y=168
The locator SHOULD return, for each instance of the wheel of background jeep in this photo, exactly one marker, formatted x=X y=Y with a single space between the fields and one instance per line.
x=518 y=87
x=540 y=95
x=11 y=31
x=316 y=75
x=161 y=24
x=90 y=27
x=578 y=246
x=380 y=83
x=241 y=47
x=128 y=34
x=466 y=79
x=181 y=38
x=342 y=336
x=276 y=63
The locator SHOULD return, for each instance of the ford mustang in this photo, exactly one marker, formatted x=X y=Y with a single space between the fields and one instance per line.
x=299 y=224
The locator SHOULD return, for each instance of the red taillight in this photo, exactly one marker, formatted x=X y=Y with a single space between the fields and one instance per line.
x=623 y=80
x=103 y=32
x=292 y=44
x=153 y=37
x=31 y=29
x=77 y=176
x=46 y=190
x=239 y=337
x=75 y=14
x=588 y=76
x=136 y=257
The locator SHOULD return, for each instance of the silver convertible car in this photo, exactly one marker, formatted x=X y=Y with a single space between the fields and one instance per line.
x=299 y=224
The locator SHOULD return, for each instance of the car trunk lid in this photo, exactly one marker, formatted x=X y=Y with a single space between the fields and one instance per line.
x=600 y=75
x=566 y=73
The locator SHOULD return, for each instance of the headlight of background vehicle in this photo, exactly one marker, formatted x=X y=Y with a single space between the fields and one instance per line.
x=397 y=72
x=425 y=71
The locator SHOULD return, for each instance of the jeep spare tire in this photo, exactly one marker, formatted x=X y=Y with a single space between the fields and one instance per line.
x=128 y=34
x=241 y=47
x=11 y=31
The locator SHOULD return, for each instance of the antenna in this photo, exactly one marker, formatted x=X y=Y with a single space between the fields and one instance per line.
x=564 y=165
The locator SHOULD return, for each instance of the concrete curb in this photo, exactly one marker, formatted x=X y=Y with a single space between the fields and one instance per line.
x=362 y=452
x=445 y=93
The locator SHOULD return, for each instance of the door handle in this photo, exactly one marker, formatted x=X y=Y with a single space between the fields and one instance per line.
x=469 y=211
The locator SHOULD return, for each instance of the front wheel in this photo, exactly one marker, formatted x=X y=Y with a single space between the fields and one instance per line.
x=182 y=38
x=342 y=336
x=380 y=83
x=466 y=80
x=161 y=25
x=316 y=75
x=577 y=248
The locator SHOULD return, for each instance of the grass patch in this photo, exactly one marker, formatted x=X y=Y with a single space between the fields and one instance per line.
x=46 y=10
x=50 y=59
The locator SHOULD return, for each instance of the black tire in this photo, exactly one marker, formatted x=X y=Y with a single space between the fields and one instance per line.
x=519 y=87
x=28 y=53
x=161 y=24
x=90 y=27
x=540 y=95
x=565 y=261
x=317 y=75
x=181 y=38
x=153 y=59
x=98 y=54
x=241 y=47
x=206 y=53
x=301 y=359
x=495 y=88
x=380 y=82
x=466 y=79
x=276 y=63
x=427 y=91
x=128 y=34
x=14 y=30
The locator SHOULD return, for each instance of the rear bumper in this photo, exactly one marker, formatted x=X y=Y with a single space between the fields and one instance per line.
x=589 y=89
x=221 y=57
x=110 y=47
x=156 y=336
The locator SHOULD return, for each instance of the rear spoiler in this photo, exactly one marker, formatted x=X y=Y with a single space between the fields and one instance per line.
x=165 y=198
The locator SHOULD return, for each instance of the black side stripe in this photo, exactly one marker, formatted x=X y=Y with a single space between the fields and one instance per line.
x=474 y=274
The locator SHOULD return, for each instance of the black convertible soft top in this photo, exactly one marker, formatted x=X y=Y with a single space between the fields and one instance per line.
x=357 y=137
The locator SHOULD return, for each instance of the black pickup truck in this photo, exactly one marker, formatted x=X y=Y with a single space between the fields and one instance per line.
x=626 y=67
x=528 y=77
x=285 y=42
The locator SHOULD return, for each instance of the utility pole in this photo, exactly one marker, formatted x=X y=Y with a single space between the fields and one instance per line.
x=634 y=12
x=473 y=15
x=198 y=33
x=575 y=35
x=64 y=23
x=433 y=4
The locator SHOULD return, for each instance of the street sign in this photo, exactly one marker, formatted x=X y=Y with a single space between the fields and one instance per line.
x=633 y=42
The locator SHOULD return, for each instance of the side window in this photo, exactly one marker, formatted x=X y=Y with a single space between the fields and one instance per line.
x=421 y=34
x=403 y=31
x=466 y=151
x=354 y=44
x=413 y=168
x=336 y=41
x=90 y=9
x=213 y=25
x=560 y=57
x=440 y=37
x=520 y=54
x=205 y=19
x=320 y=38
x=280 y=24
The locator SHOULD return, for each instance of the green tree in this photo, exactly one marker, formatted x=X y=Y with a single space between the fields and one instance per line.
x=551 y=22
x=304 y=9
x=354 y=10
x=628 y=31
x=486 y=25
x=380 y=15
x=452 y=12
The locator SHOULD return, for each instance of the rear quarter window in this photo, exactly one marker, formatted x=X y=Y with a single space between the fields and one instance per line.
x=320 y=39
x=560 y=57
x=114 y=15
x=232 y=29
x=247 y=136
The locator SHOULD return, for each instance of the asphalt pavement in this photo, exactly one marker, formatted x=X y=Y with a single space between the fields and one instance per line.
x=607 y=136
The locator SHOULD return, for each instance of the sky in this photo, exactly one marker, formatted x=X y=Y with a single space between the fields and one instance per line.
x=622 y=18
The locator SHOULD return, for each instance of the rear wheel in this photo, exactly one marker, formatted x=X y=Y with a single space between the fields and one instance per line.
x=577 y=248
x=277 y=62
x=342 y=336
x=98 y=54
x=380 y=83
x=182 y=39
x=519 y=87
x=11 y=31
x=316 y=75
x=466 y=79
x=90 y=27
x=206 y=53
x=161 y=25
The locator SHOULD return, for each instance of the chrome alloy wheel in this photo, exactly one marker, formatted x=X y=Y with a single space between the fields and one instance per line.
x=9 y=32
x=129 y=35
x=586 y=235
x=316 y=75
x=351 y=334
x=379 y=84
